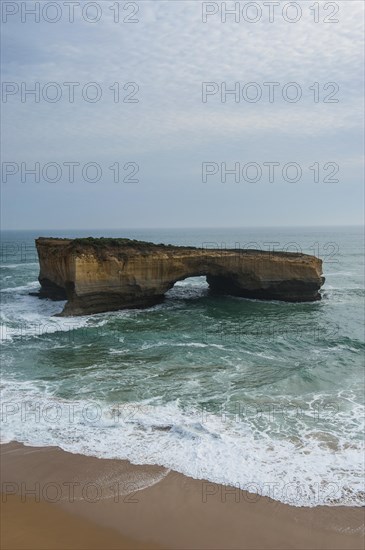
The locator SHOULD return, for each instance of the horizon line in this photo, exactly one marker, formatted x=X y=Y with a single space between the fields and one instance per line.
x=184 y=227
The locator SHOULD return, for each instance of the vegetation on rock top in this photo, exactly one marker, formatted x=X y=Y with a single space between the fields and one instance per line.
x=112 y=241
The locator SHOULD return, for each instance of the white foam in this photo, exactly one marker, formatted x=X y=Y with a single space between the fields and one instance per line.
x=192 y=345
x=15 y=266
x=27 y=316
x=314 y=470
x=34 y=285
x=340 y=274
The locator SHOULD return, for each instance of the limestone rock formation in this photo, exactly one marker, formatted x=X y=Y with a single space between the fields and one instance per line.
x=97 y=275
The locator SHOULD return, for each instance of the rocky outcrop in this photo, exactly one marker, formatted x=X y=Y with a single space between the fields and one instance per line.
x=96 y=275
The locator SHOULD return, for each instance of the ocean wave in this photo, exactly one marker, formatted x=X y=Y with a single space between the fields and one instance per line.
x=340 y=273
x=15 y=266
x=33 y=285
x=315 y=468
x=29 y=317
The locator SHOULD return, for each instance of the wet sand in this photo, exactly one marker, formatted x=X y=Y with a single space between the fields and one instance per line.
x=42 y=526
x=54 y=499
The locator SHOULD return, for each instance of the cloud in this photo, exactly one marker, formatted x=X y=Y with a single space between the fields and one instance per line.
x=169 y=53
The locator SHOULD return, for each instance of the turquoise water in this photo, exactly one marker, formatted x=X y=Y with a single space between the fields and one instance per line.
x=267 y=396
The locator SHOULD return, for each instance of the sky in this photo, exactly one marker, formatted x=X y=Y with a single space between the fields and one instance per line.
x=172 y=149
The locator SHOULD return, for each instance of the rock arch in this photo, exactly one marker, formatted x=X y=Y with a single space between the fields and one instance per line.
x=97 y=275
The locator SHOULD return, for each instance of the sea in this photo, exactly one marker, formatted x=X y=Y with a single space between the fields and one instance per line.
x=266 y=396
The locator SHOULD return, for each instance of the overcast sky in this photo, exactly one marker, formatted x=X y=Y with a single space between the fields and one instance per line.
x=170 y=132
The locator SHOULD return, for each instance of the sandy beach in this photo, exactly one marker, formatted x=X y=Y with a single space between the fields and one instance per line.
x=58 y=500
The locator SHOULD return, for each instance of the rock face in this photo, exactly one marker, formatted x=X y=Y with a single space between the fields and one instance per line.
x=96 y=275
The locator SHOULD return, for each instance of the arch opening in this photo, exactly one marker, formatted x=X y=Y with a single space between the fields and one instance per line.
x=192 y=287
